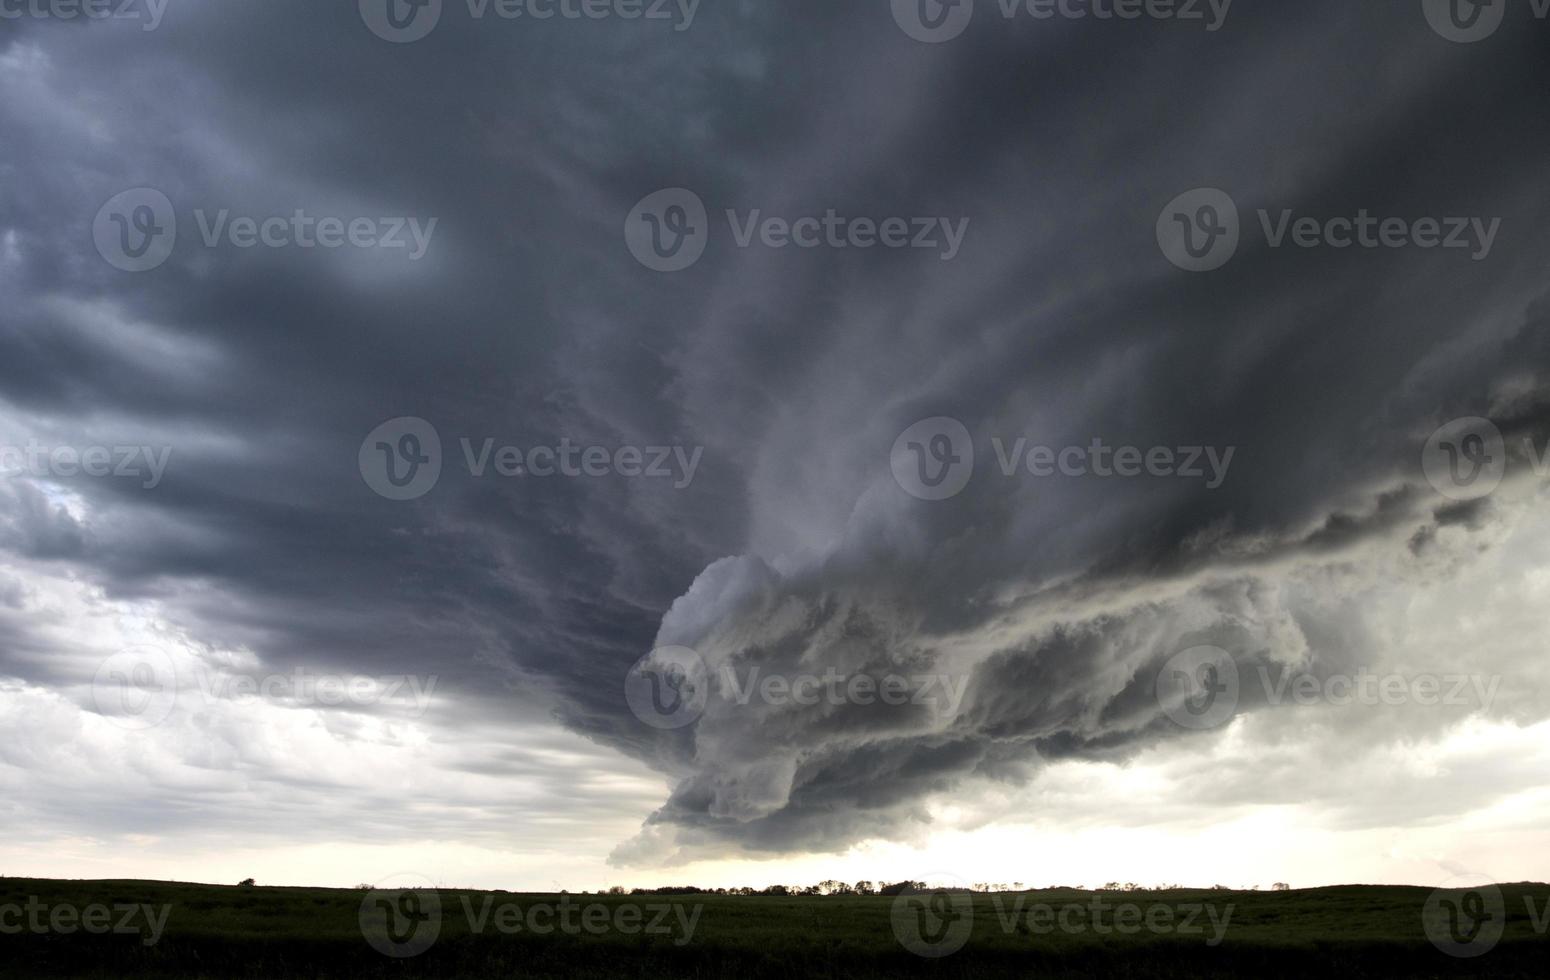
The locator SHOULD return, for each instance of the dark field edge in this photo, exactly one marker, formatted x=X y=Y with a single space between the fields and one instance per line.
x=279 y=933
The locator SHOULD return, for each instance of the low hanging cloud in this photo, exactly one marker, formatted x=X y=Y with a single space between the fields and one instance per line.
x=1028 y=616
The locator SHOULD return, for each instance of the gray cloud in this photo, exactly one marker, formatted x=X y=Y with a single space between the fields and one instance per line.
x=1056 y=600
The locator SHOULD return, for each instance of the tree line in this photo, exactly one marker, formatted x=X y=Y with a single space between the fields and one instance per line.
x=840 y=888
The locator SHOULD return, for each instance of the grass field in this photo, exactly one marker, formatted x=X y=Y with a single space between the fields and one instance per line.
x=159 y=929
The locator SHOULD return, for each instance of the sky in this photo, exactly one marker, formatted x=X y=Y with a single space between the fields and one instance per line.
x=559 y=444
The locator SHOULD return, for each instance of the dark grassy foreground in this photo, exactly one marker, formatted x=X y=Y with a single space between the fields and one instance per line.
x=216 y=931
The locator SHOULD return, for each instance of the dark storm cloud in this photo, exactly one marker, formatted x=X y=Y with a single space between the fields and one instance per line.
x=527 y=321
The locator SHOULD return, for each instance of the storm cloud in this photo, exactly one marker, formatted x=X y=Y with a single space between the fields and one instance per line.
x=786 y=373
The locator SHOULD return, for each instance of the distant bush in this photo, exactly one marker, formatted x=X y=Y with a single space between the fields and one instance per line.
x=246 y=883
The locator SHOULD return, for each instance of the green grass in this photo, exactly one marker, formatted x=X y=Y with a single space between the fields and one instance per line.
x=278 y=933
